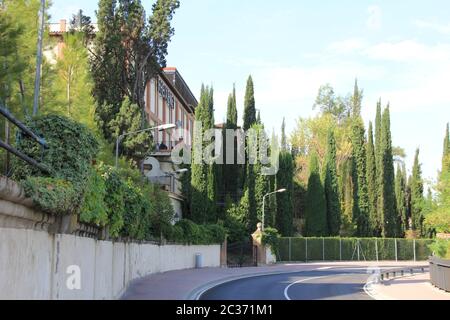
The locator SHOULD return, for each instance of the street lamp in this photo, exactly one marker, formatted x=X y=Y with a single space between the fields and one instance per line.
x=264 y=199
x=159 y=128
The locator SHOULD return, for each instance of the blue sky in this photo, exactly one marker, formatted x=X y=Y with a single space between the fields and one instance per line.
x=398 y=50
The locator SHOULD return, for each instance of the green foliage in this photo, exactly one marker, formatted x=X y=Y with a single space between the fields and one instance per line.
x=371 y=178
x=316 y=214
x=328 y=103
x=360 y=191
x=249 y=105
x=346 y=249
x=387 y=206
x=187 y=232
x=417 y=195
x=284 y=180
x=441 y=248
x=271 y=237
x=93 y=209
x=71 y=149
x=332 y=188
x=162 y=211
x=52 y=195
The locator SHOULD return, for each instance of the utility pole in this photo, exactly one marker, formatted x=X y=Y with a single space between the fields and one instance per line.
x=37 y=80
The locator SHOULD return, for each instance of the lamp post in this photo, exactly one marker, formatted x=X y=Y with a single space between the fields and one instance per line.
x=264 y=199
x=159 y=128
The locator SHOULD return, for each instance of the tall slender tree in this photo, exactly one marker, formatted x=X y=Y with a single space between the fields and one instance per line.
x=446 y=152
x=315 y=206
x=372 y=184
x=249 y=105
x=356 y=100
x=417 y=195
x=231 y=171
x=386 y=206
x=360 y=190
x=400 y=193
x=332 y=188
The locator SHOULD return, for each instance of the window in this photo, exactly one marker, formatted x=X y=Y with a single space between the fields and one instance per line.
x=160 y=107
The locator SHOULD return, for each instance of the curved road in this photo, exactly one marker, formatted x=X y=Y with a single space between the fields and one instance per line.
x=335 y=284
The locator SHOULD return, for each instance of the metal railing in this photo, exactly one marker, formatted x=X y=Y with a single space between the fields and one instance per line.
x=440 y=273
x=401 y=272
x=24 y=130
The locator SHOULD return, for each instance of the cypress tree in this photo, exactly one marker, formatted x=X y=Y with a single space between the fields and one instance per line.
x=400 y=194
x=231 y=171
x=386 y=206
x=378 y=132
x=332 y=188
x=360 y=190
x=284 y=146
x=200 y=183
x=416 y=194
x=249 y=105
x=315 y=206
x=356 y=100
x=284 y=180
x=446 y=153
x=374 y=224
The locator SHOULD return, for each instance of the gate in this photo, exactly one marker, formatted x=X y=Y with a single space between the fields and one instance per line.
x=242 y=254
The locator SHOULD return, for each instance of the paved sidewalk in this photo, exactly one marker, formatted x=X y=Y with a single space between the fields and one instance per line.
x=184 y=284
x=416 y=287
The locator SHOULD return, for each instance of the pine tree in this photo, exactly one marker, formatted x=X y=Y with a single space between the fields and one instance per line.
x=417 y=195
x=360 y=189
x=386 y=206
x=332 y=188
x=372 y=184
x=315 y=206
x=249 y=105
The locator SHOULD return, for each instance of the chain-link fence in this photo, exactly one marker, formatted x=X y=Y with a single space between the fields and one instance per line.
x=353 y=249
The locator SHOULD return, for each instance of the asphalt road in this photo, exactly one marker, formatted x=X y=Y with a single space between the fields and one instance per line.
x=336 y=284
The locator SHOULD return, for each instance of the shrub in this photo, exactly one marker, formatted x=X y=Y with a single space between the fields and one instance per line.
x=271 y=237
x=187 y=232
x=54 y=196
x=94 y=209
x=441 y=248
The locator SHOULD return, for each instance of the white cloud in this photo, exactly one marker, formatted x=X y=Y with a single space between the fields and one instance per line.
x=347 y=46
x=374 y=20
x=440 y=28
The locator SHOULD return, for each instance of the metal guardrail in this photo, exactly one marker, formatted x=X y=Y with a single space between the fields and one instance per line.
x=401 y=272
x=440 y=273
x=25 y=130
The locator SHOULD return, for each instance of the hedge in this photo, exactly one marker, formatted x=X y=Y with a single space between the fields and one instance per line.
x=347 y=249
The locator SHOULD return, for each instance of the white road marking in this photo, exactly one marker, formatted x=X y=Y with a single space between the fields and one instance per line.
x=300 y=281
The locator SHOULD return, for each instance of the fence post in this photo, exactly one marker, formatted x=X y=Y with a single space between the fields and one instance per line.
x=357 y=247
x=340 y=249
x=414 y=249
x=306 y=249
x=323 y=249
x=290 y=257
x=376 y=248
x=396 y=258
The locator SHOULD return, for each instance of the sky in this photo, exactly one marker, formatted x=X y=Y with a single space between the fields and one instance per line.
x=398 y=50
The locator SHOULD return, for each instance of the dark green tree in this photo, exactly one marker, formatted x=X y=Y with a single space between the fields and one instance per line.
x=400 y=193
x=315 y=206
x=200 y=206
x=356 y=100
x=249 y=105
x=284 y=143
x=374 y=223
x=417 y=194
x=284 y=180
x=446 y=153
x=332 y=187
x=360 y=190
x=231 y=171
x=386 y=206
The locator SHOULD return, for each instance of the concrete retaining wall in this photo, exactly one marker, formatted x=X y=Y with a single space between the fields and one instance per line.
x=37 y=251
x=34 y=264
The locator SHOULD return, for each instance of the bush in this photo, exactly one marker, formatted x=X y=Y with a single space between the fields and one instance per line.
x=441 y=248
x=51 y=195
x=270 y=237
x=71 y=149
x=94 y=209
x=187 y=232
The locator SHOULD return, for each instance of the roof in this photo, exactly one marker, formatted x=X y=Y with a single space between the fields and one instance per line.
x=180 y=85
